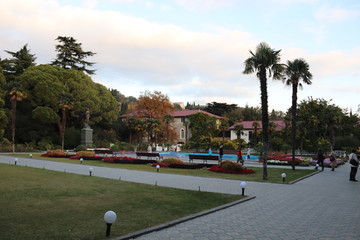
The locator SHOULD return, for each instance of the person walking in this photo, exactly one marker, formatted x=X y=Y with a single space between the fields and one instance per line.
x=320 y=159
x=333 y=162
x=248 y=153
x=354 y=165
x=221 y=152
x=240 y=157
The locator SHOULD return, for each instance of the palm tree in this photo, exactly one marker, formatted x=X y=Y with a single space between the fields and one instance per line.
x=224 y=125
x=15 y=96
x=239 y=130
x=263 y=62
x=255 y=125
x=296 y=71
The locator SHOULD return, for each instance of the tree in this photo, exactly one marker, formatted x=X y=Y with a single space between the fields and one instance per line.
x=156 y=105
x=3 y=117
x=169 y=130
x=203 y=128
x=15 y=96
x=72 y=93
x=256 y=126
x=262 y=61
x=224 y=125
x=239 y=130
x=13 y=68
x=219 y=109
x=19 y=62
x=320 y=120
x=71 y=56
x=296 y=71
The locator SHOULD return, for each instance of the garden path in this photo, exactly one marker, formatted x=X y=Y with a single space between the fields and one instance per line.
x=324 y=206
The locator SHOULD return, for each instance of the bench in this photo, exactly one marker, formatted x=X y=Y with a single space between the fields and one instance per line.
x=103 y=152
x=205 y=158
x=148 y=155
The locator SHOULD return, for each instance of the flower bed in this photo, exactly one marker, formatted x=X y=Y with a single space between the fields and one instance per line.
x=181 y=166
x=86 y=157
x=327 y=161
x=217 y=168
x=127 y=160
x=56 y=154
x=286 y=159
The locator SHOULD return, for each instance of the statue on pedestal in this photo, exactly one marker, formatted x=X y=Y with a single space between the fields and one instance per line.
x=86 y=132
x=87 y=118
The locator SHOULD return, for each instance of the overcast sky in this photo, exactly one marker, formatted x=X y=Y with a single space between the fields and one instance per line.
x=194 y=50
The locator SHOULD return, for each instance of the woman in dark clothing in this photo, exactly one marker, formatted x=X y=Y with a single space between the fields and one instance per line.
x=320 y=159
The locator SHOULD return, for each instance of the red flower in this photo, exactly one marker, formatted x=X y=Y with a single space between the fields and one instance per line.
x=217 y=168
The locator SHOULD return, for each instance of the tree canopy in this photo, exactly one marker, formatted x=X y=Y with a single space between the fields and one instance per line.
x=72 y=56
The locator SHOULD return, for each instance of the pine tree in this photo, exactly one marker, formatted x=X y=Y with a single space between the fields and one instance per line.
x=71 y=56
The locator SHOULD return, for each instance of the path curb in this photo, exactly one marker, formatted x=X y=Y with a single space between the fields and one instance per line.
x=181 y=220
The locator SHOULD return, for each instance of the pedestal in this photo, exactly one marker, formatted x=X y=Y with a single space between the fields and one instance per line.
x=86 y=136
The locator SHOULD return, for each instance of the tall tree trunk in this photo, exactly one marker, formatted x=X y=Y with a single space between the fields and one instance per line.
x=62 y=126
x=264 y=120
x=13 y=121
x=293 y=124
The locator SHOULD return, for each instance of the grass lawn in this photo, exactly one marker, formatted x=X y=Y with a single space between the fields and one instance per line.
x=41 y=204
x=274 y=174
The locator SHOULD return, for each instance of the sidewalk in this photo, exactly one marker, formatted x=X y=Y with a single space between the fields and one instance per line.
x=324 y=206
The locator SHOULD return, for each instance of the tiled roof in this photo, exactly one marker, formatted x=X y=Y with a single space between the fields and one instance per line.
x=187 y=112
x=248 y=125
x=177 y=113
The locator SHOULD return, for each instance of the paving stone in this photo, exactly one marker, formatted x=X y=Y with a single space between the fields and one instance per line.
x=323 y=206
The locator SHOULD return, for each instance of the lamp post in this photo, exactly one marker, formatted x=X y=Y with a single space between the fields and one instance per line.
x=283 y=175
x=243 y=186
x=16 y=160
x=317 y=166
x=157 y=168
x=90 y=170
x=109 y=218
x=30 y=155
x=81 y=160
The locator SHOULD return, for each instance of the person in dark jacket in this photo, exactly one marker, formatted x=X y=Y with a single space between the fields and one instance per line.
x=320 y=159
x=221 y=152
x=354 y=168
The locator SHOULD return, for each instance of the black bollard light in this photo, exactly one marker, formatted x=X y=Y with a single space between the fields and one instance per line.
x=109 y=218
x=16 y=161
x=283 y=175
x=243 y=186
x=157 y=168
x=90 y=170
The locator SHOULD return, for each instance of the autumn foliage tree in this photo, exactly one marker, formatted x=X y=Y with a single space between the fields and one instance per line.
x=156 y=107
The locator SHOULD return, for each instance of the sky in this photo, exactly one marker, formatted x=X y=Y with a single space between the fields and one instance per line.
x=194 y=50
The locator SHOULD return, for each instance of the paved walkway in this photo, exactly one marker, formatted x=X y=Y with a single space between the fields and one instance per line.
x=324 y=206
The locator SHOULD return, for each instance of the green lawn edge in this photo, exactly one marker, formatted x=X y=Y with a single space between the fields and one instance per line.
x=43 y=204
x=274 y=174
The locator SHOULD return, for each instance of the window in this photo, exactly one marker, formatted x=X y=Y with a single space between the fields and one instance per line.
x=182 y=133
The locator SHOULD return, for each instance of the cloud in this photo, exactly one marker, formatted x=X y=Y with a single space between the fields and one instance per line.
x=334 y=15
x=203 y=5
x=135 y=54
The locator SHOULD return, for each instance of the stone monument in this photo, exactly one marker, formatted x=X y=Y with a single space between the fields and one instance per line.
x=86 y=131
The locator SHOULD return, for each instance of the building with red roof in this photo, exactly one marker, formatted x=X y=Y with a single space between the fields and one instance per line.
x=249 y=128
x=181 y=121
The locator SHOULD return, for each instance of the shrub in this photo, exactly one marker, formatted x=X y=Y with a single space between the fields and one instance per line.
x=231 y=165
x=81 y=148
x=55 y=153
x=127 y=160
x=86 y=153
x=173 y=161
